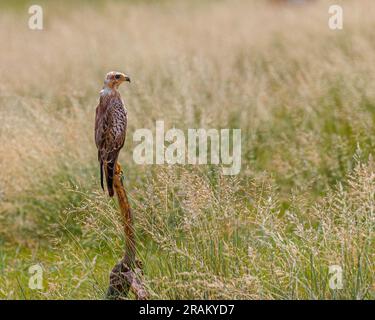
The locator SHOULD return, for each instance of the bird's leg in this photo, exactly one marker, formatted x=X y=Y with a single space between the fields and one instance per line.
x=119 y=172
x=118 y=169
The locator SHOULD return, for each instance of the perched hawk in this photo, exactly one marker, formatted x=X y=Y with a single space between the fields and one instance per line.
x=110 y=126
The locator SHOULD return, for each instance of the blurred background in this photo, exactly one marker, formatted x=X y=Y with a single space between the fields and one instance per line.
x=302 y=94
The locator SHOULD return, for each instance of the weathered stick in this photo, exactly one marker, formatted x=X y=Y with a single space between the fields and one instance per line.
x=126 y=274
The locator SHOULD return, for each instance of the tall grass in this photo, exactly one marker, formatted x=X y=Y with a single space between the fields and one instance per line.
x=302 y=94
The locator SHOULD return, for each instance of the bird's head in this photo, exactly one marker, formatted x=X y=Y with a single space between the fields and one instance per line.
x=113 y=79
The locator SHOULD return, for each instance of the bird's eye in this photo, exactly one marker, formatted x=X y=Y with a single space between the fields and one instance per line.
x=117 y=76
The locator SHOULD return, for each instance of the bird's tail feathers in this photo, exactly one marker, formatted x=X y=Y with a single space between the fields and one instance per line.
x=110 y=173
x=101 y=175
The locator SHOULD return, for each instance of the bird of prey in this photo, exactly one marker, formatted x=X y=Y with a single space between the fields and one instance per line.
x=110 y=126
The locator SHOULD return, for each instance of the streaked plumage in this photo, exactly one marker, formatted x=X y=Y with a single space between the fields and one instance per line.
x=110 y=127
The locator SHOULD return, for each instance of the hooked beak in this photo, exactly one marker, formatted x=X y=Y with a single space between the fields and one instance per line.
x=126 y=78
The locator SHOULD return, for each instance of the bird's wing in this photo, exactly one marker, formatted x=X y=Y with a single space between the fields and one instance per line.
x=110 y=127
x=96 y=127
x=100 y=124
x=117 y=119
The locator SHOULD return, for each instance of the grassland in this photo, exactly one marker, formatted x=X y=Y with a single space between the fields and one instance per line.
x=302 y=94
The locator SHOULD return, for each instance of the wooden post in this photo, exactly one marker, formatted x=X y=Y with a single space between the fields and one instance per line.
x=126 y=274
